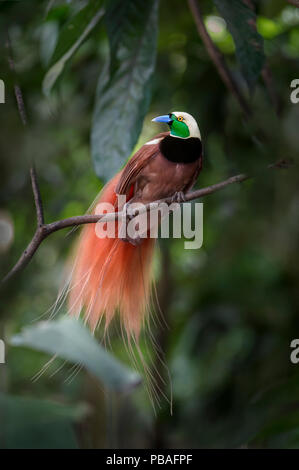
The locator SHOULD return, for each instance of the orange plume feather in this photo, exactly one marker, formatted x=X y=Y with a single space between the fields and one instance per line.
x=110 y=275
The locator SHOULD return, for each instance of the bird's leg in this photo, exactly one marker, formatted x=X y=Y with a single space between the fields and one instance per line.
x=130 y=213
x=134 y=241
x=179 y=197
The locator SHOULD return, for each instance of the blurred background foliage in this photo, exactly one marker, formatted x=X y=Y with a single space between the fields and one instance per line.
x=232 y=306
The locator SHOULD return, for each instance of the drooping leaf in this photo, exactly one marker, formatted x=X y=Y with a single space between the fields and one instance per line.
x=70 y=39
x=241 y=21
x=39 y=424
x=123 y=93
x=70 y=340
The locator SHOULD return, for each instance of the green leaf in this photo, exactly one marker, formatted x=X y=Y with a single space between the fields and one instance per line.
x=70 y=340
x=72 y=36
x=241 y=21
x=124 y=87
x=39 y=424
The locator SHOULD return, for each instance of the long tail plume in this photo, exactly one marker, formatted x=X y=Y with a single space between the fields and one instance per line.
x=110 y=275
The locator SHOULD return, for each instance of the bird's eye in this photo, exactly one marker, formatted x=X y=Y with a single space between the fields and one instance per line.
x=180 y=118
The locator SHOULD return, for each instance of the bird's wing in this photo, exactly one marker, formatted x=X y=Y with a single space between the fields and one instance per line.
x=135 y=165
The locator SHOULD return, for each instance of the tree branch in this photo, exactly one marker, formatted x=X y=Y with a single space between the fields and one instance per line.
x=218 y=58
x=37 y=198
x=41 y=230
x=44 y=230
x=17 y=89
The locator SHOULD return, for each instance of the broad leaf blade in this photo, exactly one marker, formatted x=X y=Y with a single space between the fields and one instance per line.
x=70 y=39
x=39 y=424
x=123 y=93
x=70 y=340
x=241 y=21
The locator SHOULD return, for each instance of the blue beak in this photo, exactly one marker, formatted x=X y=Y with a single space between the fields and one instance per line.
x=166 y=118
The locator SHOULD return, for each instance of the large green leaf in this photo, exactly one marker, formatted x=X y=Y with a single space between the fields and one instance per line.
x=69 y=339
x=123 y=93
x=241 y=21
x=40 y=424
x=70 y=39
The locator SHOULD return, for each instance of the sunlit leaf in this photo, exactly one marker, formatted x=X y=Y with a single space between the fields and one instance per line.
x=70 y=340
x=268 y=28
x=123 y=93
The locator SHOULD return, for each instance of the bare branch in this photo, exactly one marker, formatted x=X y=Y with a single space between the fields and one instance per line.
x=17 y=89
x=218 y=58
x=27 y=254
x=44 y=230
x=37 y=198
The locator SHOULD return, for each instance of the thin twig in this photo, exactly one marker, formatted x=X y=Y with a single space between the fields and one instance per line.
x=17 y=89
x=37 y=198
x=218 y=58
x=44 y=230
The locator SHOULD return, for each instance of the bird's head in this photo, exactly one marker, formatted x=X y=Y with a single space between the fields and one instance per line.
x=181 y=124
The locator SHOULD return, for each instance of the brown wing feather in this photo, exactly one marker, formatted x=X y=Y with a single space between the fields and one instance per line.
x=135 y=165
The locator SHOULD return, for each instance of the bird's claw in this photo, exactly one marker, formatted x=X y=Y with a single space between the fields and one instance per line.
x=179 y=197
x=134 y=241
x=129 y=212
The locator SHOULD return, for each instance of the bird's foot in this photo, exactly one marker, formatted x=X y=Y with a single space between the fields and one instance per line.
x=179 y=197
x=134 y=241
x=130 y=212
